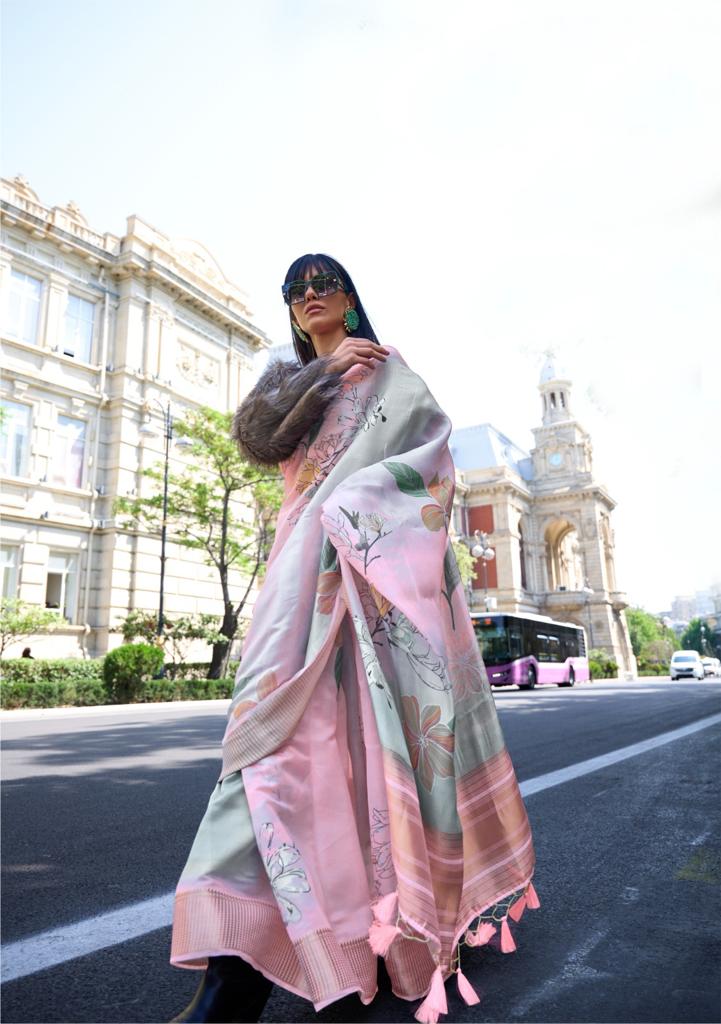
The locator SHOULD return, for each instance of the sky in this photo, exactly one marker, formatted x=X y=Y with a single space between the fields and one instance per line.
x=500 y=179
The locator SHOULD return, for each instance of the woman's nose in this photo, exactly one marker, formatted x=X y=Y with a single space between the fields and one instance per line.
x=309 y=288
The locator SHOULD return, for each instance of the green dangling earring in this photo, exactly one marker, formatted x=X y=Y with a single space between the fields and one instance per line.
x=300 y=332
x=351 y=320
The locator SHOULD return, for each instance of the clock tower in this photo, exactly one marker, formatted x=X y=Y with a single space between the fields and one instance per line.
x=563 y=449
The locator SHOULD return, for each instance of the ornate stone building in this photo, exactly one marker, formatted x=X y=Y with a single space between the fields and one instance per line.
x=548 y=521
x=99 y=334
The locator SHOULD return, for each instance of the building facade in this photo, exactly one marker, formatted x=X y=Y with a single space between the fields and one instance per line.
x=101 y=333
x=549 y=523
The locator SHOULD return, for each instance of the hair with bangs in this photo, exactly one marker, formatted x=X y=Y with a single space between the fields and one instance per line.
x=319 y=262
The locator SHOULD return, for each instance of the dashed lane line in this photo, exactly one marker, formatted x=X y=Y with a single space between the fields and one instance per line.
x=48 y=949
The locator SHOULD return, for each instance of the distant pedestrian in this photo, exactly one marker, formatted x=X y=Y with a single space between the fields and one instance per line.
x=26 y=653
x=367 y=806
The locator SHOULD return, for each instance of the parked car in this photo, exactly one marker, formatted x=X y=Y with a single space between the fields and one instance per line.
x=686 y=663
x=711 y=666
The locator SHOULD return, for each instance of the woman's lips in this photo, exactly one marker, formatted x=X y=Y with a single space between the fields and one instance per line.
x=314 y=309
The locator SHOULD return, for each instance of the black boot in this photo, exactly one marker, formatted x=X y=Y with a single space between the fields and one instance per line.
x=231 y=991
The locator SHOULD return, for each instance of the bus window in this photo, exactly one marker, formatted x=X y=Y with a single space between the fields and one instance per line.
x=542 y=653
x=516 y=645
x=554 y=648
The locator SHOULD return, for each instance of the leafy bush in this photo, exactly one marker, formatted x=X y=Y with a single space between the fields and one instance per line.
x=601 y=665
x=186 y=689
x=67 y=682
x=51 y=682
x=62 y=670
x=127 y=668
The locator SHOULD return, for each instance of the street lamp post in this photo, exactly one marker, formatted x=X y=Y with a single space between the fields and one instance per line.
x=703 y=638
x=587 y=589
x=181 y=442
x=482 y=550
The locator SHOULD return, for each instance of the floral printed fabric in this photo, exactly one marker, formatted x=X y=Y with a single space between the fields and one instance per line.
x=363 y=754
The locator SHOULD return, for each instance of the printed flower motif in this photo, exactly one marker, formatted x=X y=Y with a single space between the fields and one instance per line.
x=464 y=669
x=442 y=492
x=328 y=583
x=433 y=517
x=267 y=684
x=430 y=743
x=308 y=475
x=436 y=517
x=284 y=877
x=243 y=707
x=381 y=847
x=382 y=603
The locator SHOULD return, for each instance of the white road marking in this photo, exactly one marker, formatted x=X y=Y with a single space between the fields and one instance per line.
x=573 y=771
x=48 y=949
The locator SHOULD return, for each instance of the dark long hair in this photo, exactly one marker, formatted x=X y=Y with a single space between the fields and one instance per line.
x=318 y=261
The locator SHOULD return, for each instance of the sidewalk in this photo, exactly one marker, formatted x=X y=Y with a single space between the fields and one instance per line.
x=22 y=714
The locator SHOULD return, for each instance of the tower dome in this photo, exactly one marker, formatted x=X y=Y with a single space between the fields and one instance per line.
x=555 y=388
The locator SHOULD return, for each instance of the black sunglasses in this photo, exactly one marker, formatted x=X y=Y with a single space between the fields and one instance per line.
x=322 y=284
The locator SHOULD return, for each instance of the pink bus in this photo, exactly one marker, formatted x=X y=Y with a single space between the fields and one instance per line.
x=531 y=649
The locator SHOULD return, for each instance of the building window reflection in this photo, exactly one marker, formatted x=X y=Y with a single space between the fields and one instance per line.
x=62 y=583
x=69 y=452
x=79 y=324
x=14 y=438
x=23 y=307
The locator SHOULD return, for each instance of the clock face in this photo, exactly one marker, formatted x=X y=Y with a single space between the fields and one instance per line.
x=555 y=458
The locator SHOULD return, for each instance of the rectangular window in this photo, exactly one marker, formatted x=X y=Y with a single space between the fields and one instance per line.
x=79 y=323
x=61 y=588
x=23 y=307
x=14 y=438
x=9 y=563
x=68 y=452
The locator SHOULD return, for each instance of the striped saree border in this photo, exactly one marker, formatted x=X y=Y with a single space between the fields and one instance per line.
x=207 y=923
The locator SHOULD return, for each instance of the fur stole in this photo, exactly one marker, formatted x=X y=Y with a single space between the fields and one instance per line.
x=282 y=407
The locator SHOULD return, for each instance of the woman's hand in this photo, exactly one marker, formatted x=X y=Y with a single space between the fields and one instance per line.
x=355 y=350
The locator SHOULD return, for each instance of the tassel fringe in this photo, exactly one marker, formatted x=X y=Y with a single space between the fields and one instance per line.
x=516 y=911
x=435 y=1002
x=385 y=910
x=481 y=936
x=507 y=943
x=465 y=990
x=381 y=936
x=532 y=900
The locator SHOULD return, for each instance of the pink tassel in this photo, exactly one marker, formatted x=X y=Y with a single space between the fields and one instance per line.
x=380 y=937
x=465 y=990
x=435 y=1002
x=507 y=943
x=532 y=900
x=481 y=935
x=385 y=910
x=516 y=911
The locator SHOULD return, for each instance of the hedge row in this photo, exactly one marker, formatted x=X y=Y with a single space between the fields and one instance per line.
x=62 y=682
x=55 y=694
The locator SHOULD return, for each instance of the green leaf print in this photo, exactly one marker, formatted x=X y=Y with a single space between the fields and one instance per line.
x=328 y=556
x=408 y=479
x=451 y=573
x=452 y=577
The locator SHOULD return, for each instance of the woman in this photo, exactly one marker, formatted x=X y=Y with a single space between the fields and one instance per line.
x=367 y=806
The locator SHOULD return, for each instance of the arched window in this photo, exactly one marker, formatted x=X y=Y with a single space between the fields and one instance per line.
x=522 y=554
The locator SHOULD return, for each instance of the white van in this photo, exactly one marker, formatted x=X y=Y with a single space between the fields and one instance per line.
x=686 y=663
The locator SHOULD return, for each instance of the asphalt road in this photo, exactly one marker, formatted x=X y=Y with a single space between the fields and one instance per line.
x=100 y=808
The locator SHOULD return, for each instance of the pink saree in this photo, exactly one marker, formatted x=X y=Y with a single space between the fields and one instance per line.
x=367 y=804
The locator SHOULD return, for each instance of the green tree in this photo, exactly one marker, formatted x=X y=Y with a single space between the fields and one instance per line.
x=643 y=628
x=704 y=641
x=20 y=620
x=465 y=561
x=202 y=502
